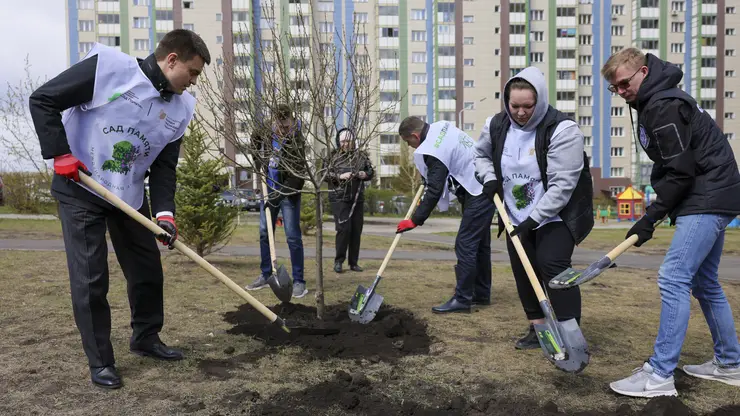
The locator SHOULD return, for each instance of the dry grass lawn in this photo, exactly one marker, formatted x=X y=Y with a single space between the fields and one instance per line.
x=43 y=369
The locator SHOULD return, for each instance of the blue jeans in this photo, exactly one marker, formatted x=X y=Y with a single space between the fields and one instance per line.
x=690 y=267
x=291 y=208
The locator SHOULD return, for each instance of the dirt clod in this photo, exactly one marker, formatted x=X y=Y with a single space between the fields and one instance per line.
x=394 y=333
x=229 y=350
x=666 y=406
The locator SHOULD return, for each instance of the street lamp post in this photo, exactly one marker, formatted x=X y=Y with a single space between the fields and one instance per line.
x=459 y=115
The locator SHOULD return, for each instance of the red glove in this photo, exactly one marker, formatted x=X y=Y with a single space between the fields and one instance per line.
x=167 y=223
x=404 y=226
x=69 y=167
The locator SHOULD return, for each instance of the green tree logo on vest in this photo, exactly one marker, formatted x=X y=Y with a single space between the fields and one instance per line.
x=124 y=155
x=524 y=194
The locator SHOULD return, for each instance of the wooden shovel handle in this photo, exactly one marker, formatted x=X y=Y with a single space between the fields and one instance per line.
x=270 y=231
x=412 y=208
x=624 y=245
x=153 y=227
x=519 y=249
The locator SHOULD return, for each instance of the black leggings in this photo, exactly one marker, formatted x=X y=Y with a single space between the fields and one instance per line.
x=549 y=249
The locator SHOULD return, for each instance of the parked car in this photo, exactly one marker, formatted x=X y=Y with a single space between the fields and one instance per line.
x=251 y=201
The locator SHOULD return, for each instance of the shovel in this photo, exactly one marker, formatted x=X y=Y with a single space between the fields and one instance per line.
x=571 y=277
x=562 y=342
x=153 y=227
x=279 y=281
x=365 y=303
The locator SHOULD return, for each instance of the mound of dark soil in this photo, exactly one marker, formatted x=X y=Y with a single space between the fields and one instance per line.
x=393 y=333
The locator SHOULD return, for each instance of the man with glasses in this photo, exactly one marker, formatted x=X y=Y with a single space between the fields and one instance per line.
x=696 y=179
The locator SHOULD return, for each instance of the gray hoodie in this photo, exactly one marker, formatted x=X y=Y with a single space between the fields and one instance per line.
x=564 y=155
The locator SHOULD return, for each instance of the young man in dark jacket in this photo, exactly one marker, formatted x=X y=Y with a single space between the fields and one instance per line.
x=347 y=175
x=123 y=119
x=283 y=157
x=696 y=179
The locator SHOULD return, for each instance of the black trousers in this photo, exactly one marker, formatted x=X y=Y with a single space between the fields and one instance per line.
x=473 y=249
x=83 y=226
x=549 y=249
x=349 y=230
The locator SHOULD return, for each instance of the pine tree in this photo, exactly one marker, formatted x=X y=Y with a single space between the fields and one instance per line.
x=204 y=222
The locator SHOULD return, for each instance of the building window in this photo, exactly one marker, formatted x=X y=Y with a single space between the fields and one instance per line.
x=142 y=2
x=468 y=19
x=584 y=19
x=617 y=131
x=584 y=60
x=110 y=40
x=729 y=94
x=618 y=48
x=617 y=151
x=419 y=99
x=85 y=47
x=537 y=14
x=468 y=62
x=730 y=116
x=360 y=17
x=418 y=57
x=617 y=10
x=676 y=47
x=650 y=3
x=584 y=100
x=218 y=17
x=497 y=95
x=537 y=56
x=565 y=11
x=584 y=39
x=617 y=173
x=730 y=73
x=85 y=25
x=729 y=10
x=646 y=44
x=676 y=27
x=649 y=23
x=141 y=44
x=469 y=83
x=730 y=136
x=469 y=105
x=617 y=30
x=418 y=14
x=587 y=141
x=517 y=29
x=730 y=32
x=729 y=52
x=565 y=95
x=109 y=19
x=468 y=126
x=537 y=36
x=418 y=36
x=388 y=32
x=585 y=121
x=677 y=6
x=188 y=4
x=517 y=51
x=418 y=78
x=85 y=4
x=468 y=40
x=163 y=14
x=585 y=80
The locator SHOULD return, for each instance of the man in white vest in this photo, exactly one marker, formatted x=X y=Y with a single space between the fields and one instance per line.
x=444 y=157
x=118 y=119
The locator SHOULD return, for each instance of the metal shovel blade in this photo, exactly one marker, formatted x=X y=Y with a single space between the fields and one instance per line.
x=564 y=345
x=281 y=284
x=364 y=307
x=571 y=277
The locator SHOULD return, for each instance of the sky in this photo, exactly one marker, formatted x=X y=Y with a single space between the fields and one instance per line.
x=33 y=28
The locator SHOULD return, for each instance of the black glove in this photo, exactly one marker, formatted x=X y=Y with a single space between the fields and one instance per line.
x=489 y=189
x=167 y=223
x=528 y=225
x=644 y=228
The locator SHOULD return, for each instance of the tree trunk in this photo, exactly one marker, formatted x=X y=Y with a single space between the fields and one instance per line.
x=319 y=257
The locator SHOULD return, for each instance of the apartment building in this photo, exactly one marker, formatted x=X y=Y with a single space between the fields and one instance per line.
x=449 y=59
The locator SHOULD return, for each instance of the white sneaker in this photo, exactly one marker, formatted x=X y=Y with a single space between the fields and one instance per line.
x=644 y=383
x=713 y=371
x=299 y=289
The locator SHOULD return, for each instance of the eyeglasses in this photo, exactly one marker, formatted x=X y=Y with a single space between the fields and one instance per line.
x=623 y=84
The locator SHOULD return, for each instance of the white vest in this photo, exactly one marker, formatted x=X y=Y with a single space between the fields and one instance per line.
x=456 y=150
x=120 y=133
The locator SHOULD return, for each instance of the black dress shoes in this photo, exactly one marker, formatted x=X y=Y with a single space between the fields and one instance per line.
x=529 y=341
x=337 y=267
x=355 y=268
x=452 y=305
x=106 y=377
x=156 y=349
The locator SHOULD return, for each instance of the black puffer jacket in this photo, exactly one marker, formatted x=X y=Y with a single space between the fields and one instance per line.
x=354 y=162
x=695 y=170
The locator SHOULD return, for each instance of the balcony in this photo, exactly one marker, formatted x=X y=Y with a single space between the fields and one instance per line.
x=709 y=9
x=709 y=72
x=708 y=51
x=388 y=64
x=518 y=40
x=389 y=170
x=649 y=12
x=240 y=4
x=515 y=18
x=109 y=29
x=388 y=2
x=165 y=25
x=566 y=84
x=112 y=6
x=242 y=48
x=385 y=21
x=302 y=9
x=708 y=93
x=390 y=106
x=447 y=82
x=300 y=51
x=518 y=61
x=389 y=149
x=301 y=31
x=566 y=3
x=446 y=105
x=241 y=27
x=565 y=43
x=388 y=42
x=386 y=85
x=565 y=21
x=710 y=30
x=565 y=105
x=649 y=33
x=565 y=64
x=388 y=128
x=446 y=61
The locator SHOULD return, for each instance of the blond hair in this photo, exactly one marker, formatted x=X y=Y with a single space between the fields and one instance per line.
x=632 y=57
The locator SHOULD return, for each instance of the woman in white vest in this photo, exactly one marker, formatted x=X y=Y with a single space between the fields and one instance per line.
x=532 y=155
x=444 y=157
x=118 y=120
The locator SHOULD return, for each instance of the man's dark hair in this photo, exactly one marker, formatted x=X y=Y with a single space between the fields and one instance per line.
x=185 y=43
x=410 y=125
x=284 y=111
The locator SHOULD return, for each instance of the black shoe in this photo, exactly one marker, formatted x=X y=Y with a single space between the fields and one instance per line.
x=337 y=267
x=156 y=349
x=106 y=377
x=355 y=268
x=481 y=302
x=529 y=341
x=452 y=305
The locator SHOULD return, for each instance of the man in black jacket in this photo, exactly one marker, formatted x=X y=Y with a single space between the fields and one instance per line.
x=350 y=169
x=156 y=111
x=696 y=179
